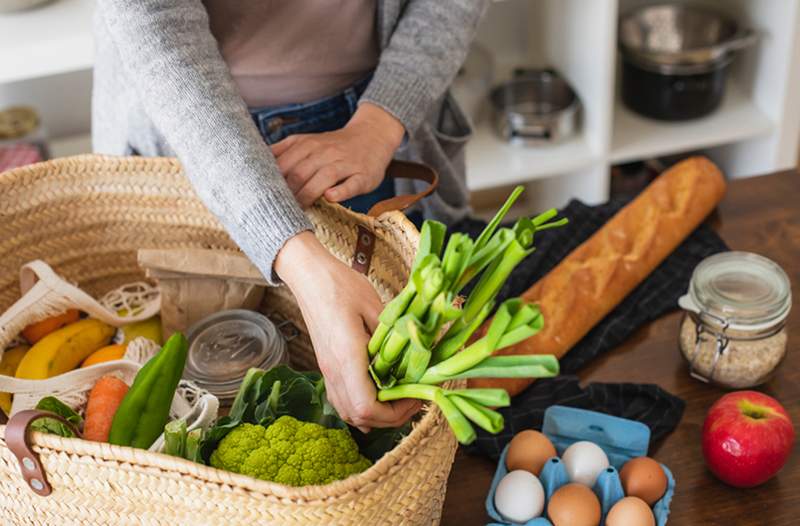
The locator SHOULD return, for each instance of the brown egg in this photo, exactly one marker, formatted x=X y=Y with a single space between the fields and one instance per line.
x=574 y=505
x=630 y=511
x=643 y=477
x=529 y=450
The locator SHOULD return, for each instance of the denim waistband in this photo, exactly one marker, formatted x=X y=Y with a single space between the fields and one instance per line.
x=327 y=114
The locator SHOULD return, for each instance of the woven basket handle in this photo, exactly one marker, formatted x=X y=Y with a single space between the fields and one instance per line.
x=20 y=446
x=365 y=241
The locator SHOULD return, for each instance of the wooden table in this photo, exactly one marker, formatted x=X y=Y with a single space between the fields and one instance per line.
x=760 y=215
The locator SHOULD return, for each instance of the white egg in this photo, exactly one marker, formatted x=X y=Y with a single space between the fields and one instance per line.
x=584 y=461
x=519 y=497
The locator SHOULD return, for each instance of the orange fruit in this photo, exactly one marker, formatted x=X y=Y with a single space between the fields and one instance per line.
x=105 y=354
x=36 y=331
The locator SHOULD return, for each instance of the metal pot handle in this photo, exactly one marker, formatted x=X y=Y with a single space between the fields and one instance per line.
x=742 y=39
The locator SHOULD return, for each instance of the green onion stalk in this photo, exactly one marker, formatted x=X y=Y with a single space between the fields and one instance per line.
x=425 y=337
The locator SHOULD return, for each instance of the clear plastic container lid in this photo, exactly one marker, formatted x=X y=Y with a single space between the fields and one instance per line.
x=748 y=291
x=223 y=346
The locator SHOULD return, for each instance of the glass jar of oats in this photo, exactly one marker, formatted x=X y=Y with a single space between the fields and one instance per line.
x=733 y=333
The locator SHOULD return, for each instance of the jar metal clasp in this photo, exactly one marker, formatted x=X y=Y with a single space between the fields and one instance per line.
x=722 y=344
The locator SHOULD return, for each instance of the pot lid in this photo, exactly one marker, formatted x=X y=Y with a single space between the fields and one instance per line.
x=223 y=346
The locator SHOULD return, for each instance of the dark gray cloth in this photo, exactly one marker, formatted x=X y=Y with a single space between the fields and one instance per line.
x=656 y=296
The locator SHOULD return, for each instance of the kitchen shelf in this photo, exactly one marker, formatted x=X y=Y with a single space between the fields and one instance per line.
x=493 y=162
x=51 y=39
x=70 y=145
x=636 y=137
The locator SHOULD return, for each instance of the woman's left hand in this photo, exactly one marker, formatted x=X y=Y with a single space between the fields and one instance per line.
x=340 y=164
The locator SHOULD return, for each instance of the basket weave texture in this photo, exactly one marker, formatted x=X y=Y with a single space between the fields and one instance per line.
x=86 y=216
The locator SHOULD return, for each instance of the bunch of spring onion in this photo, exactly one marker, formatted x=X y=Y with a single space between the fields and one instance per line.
x=420 y=341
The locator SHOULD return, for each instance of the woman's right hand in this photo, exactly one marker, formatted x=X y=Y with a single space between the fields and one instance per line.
x=341 y=310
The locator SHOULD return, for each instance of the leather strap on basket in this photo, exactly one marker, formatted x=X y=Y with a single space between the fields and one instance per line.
x=365 y=241
x=20 y=446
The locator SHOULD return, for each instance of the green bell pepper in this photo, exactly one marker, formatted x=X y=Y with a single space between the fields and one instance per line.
x=144 y=411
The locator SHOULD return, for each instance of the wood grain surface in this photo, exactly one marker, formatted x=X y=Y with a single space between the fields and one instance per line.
x=759 y=215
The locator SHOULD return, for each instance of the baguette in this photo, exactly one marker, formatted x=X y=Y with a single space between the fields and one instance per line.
x=595 y=277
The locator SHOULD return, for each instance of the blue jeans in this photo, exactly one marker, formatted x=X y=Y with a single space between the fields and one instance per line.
x=328 y=114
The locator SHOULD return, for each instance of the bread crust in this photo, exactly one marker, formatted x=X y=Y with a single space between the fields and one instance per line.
x=595 y=277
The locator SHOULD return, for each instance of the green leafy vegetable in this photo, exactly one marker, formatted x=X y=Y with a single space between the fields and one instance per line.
x=53 y=426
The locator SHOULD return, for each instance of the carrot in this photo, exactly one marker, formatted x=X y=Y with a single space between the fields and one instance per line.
x=104 y=399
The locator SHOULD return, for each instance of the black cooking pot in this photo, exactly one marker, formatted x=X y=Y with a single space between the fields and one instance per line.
x=675 y=59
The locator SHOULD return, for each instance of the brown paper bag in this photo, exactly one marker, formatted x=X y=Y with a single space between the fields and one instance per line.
x=196 y=283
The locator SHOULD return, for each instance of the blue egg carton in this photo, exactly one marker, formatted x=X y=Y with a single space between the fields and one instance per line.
x=620 y=438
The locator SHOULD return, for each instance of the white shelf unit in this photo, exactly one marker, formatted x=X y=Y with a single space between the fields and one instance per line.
x=756 y=130
x=47 y=40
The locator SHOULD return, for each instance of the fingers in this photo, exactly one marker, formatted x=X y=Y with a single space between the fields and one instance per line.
x=323 y=179
x=281 y=146
x=300 y=148
x=350 y=187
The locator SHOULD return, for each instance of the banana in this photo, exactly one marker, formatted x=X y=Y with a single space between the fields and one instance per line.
x=64 y=349
x=8 y=367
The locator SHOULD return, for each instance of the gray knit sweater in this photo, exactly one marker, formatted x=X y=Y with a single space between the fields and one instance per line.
x=162 y=88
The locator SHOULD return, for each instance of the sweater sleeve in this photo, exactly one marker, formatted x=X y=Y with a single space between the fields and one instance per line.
x=174 y=64
x=428 y=46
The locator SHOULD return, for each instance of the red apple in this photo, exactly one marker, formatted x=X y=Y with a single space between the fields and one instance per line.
x=747 y=438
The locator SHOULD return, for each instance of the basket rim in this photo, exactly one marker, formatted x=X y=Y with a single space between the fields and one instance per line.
x=428 y=426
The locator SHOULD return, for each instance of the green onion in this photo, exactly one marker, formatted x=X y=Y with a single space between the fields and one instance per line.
x=449 y=346
x=512 y=366
x=461 y=427
x=483 y=417
x=431 y=239
x=487 y=397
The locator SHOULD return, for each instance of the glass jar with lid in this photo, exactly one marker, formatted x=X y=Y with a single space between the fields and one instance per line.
x=733 y=333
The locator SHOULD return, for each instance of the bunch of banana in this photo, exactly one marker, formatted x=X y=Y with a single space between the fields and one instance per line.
x=64 y=349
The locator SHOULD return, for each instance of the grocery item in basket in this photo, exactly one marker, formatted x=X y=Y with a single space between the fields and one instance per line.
x=593 y=279
x=38 y=330
x=421 y=331
x=104 y=400
x=149 y=328
x=64 y=349
x=225 y=345
x=290 y=452
x=144 y=411
x=52 y=404
x=8 y=367
x=105 y=354
x=196 y=283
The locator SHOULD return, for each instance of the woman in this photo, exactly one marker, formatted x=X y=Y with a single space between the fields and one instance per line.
x=335 y=89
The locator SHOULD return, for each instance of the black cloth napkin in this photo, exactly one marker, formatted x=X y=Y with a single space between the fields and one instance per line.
x=656 y=296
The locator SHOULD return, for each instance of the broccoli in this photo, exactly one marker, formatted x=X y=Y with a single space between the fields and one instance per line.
x=290 y=452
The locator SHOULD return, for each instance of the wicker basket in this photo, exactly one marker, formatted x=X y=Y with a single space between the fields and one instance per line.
x=86 y=216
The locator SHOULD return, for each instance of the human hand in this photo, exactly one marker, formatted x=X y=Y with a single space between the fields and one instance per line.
x=340 y=164
x=339 y=307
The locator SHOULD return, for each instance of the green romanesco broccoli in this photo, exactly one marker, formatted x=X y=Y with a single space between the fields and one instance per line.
x=290 y=452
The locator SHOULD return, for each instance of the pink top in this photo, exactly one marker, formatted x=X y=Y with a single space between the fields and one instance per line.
x=285 y=51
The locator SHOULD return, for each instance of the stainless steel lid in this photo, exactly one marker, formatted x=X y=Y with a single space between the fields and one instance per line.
x=680 y=35
x=223 y=346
